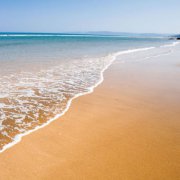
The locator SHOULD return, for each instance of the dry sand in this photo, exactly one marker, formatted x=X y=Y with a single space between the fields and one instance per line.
x=128 y=129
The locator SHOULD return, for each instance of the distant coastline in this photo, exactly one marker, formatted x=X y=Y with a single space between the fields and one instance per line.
x=91 y=33
x=175 y=37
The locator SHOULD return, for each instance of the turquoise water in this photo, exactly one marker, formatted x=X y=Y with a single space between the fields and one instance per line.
x=41 y=73
x=19 y=51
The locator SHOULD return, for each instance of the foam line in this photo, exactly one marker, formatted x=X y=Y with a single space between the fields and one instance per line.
x=78 y=35
x=46 y=35
x=171 y=45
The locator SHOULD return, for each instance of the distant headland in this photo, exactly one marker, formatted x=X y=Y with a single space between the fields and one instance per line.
x=177 y=37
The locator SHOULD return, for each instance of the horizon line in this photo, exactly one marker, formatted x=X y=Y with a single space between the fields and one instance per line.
x=90 y=32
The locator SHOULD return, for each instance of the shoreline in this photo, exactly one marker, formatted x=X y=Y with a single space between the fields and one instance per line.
x=19 y=137
x=126 y=129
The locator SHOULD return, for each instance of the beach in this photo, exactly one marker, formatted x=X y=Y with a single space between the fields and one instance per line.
x=128 y=129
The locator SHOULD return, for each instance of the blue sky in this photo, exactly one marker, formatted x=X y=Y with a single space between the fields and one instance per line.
x=157 y=16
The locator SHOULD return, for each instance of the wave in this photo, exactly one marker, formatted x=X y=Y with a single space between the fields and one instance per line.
x=45 y=35
x=82 y=35
x=111 y=58
x=171 y=45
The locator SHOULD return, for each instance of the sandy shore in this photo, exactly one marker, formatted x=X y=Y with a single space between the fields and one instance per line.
x=128 y=129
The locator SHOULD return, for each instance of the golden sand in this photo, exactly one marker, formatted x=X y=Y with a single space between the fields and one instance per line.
x=128 y=129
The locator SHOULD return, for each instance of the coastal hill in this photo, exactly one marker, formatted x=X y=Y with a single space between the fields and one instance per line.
x=177 y=36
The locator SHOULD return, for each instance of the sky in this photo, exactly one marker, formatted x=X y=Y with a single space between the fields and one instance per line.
x=139 y=16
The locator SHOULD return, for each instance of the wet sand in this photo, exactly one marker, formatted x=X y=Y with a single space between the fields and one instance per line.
x=128 y=129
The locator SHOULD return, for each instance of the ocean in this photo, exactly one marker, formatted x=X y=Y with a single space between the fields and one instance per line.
x=40 y=74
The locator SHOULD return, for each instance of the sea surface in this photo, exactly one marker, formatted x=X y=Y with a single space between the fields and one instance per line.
x=41 y=73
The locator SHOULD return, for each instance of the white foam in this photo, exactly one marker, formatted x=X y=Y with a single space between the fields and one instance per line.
x=2 y=105
x=171 y=45
x=45 y=35
x=3 y=95
x=80 y=35
x=61 y=35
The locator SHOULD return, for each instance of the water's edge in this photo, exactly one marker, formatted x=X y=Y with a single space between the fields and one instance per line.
x=18 y=137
